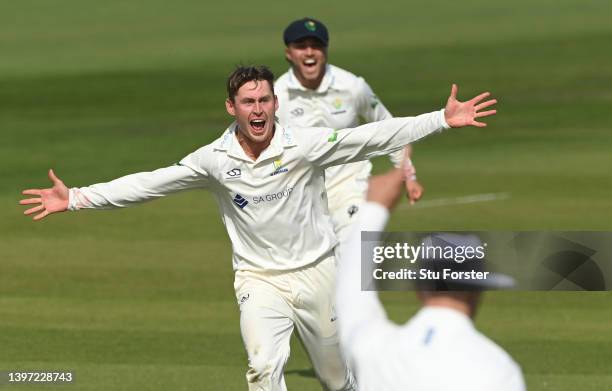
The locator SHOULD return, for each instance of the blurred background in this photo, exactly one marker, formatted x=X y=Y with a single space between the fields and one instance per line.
x=143 y=298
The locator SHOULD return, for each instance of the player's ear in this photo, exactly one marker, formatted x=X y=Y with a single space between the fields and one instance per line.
x=229 y=106
x=275 y=103
x=288 y=55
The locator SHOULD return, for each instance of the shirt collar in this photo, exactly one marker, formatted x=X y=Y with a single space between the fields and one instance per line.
x=326 y=83
x=447 y=315
x=283 y=138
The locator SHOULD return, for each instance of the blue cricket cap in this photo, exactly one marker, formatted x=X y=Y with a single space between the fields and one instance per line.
x=306 y=28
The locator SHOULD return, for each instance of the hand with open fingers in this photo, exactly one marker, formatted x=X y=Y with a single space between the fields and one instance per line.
x=458 y=114
x=47 y=201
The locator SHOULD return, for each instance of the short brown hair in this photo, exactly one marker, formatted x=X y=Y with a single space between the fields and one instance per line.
x=245 y=74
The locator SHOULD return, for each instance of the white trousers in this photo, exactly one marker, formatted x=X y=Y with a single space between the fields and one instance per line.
x=271 y=305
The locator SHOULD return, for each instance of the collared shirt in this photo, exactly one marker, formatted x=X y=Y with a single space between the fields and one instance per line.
x=342 y=100
x=437 y=350
x=274 y=208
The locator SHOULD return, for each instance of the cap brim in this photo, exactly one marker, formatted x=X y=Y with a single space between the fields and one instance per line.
x=304 y=36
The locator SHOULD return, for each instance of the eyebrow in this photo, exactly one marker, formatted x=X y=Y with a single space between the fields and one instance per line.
x=249 y=99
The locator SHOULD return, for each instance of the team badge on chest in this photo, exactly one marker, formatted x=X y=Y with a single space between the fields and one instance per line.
x=338 y=106
x=278 y=167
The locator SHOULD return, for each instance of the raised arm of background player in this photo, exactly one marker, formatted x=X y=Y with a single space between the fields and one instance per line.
x=367 y=335
x=359 y=311
x=370 y=140
x=372 y=110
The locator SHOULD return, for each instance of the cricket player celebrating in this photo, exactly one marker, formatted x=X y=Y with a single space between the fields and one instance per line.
x=315 y=93
x=269 y=184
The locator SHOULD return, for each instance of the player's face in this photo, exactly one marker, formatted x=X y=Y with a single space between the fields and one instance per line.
x=308 y=58
x=254 y=106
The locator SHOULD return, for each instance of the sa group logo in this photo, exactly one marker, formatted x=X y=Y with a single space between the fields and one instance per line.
x=240 y=201
x=273 y=197
x=234 y=173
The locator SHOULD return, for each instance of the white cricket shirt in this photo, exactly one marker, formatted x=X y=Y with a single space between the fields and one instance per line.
x=437 y=350
x=342 y=100
x=275 y=208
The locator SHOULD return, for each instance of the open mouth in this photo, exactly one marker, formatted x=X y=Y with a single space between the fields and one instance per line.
x=258 y=124
x=310 y=62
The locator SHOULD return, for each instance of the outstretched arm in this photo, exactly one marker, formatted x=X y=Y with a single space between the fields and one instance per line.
x=118 y=193
x=334 y=147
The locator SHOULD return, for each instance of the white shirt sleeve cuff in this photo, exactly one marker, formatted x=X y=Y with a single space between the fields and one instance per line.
x=73 y=199
x=443 y=120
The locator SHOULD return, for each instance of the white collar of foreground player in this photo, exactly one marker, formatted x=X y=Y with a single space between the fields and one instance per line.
x=326 y=83
x=283 y=138
x=443 y=314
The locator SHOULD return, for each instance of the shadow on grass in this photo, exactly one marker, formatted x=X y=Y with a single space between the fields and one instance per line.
x=302 y=372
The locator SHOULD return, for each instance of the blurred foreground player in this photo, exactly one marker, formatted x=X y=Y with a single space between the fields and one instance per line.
x=439 y=349
x=315 y=93
x=269 y=186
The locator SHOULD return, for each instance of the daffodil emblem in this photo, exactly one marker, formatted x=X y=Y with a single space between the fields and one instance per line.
x=310 y=25
x=337 y=103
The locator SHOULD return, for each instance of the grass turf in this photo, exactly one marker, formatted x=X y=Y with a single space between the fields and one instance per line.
x=143 y=299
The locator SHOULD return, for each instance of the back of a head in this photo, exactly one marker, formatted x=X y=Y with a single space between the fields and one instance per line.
x=452 y=256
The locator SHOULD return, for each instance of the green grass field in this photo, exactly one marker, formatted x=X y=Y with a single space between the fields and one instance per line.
x=142 y=299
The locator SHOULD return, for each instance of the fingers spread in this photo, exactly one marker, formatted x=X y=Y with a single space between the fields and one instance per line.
x=479 y=97
x=478 y=124
x=30 y=201
x=486 y=104
x=485 y=113
x=34 y=210
x=41 y=215
x=32 y=192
